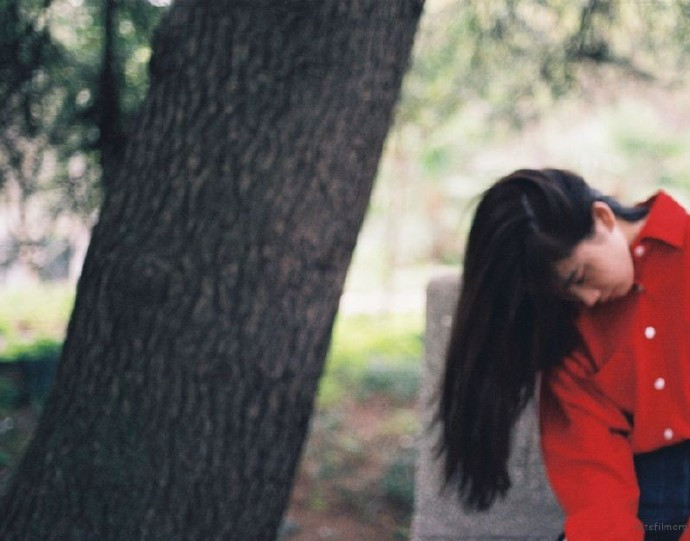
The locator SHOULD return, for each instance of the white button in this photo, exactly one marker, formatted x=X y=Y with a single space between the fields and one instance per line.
x=639 y=250
x=650 y=332
x=659 y=384
x=668 y=434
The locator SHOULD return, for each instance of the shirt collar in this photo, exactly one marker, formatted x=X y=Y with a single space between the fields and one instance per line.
x=665 y=221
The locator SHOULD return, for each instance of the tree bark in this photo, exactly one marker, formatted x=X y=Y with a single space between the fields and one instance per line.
x=206 y=301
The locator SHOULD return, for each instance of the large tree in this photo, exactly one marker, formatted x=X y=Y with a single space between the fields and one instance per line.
x=205 y=305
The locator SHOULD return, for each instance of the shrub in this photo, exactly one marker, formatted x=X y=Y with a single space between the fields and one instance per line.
x=398 y=482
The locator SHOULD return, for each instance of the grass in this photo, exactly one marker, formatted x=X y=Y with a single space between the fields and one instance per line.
x=360 y=452
x=373 y=354
x=370 y=354
x=359 y=458
x=33 y=320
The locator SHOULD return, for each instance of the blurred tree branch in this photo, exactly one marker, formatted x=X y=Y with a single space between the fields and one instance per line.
x=72 y=76
x=518 y=57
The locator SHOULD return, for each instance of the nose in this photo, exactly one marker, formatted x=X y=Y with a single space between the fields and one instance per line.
x=588 y=296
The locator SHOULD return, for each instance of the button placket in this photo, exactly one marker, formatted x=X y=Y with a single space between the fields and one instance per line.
x=659 y=382
x=638 y=251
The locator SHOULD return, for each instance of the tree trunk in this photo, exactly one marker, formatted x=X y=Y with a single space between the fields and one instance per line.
x=205 y=306
x=111 y=141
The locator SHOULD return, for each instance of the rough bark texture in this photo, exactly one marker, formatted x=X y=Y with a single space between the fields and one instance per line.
x=205 y=306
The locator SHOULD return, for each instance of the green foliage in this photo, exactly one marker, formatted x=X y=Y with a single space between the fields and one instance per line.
x=517 y=57
x=32 y=325
x=9 y=395
x=68 y=103
x=398 y=481
x=401 y=424
x=373 y=354
x=33 y=320
x=437 y=159
x=24 y=45
x=41 y=350
x=100 y=92
x=79 y=29
x=400 y=381
x=15 y=430
x=5 y=459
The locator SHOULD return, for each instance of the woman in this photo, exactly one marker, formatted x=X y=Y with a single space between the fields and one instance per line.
x=568 y=286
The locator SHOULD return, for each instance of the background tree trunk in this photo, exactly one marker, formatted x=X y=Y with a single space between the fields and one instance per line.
x=112 y=139
x=205 y=306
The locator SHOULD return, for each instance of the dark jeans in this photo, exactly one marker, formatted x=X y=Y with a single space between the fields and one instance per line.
x=664 y=480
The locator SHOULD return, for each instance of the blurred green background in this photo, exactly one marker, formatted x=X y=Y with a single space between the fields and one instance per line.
x=599 y=87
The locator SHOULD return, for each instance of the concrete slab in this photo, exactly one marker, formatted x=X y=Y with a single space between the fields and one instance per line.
x=529 y=512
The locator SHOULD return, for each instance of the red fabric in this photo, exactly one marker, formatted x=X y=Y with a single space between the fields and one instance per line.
x=627 y=391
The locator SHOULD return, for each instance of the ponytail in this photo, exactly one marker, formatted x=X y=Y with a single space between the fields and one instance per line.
x=511 y=322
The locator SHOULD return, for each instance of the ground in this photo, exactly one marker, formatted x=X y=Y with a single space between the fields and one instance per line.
x=355 y=480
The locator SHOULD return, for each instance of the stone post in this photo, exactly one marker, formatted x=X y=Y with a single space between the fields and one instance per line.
x=529 y=512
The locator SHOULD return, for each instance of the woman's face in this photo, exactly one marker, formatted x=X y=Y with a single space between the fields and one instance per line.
x=600 y=268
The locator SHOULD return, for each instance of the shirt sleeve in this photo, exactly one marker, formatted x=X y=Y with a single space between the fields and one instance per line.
x=588 y=459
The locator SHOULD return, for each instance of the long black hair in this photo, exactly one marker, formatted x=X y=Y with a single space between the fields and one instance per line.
x=511 y=321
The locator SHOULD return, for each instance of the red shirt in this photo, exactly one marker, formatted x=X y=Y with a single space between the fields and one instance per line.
x=627 y=390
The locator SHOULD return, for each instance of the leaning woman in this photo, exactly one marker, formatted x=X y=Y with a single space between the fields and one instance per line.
x=570 y=293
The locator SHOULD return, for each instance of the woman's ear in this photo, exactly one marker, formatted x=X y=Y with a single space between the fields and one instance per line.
x=602 y=213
